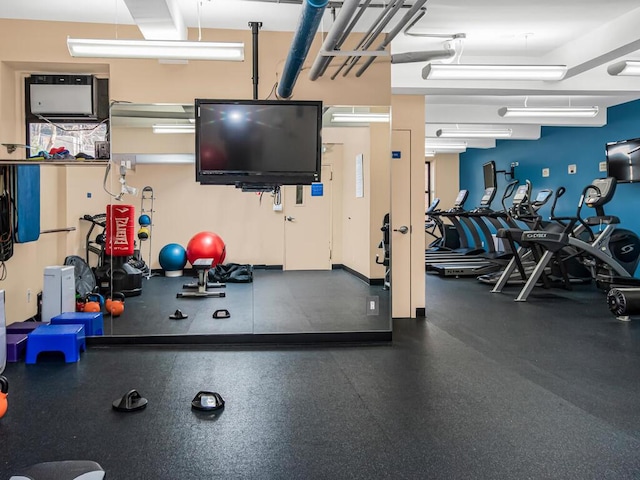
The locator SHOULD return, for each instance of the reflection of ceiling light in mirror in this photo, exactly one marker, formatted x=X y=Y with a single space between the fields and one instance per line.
x=474 y=133
x=174 y=128
x=445 y=147
x=456 y=71
x=360 y=117
x=548 y=111
x=166 y=49
x=628 y=67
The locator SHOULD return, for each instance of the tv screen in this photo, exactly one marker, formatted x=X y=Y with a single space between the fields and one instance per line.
x=623 y=160
x=249 y=142
x=489 y=171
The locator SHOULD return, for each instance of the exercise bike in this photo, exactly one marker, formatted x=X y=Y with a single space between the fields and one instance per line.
x=600 y=252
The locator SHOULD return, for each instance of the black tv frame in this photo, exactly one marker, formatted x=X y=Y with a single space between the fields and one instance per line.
x=490 y=167
x=610 y=171
x=252 y=180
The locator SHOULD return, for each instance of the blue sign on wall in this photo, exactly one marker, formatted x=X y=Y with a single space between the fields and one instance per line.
x=317 y=189
x=396 y=154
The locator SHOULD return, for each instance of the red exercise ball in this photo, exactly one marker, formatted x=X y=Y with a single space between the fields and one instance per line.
x=206 y=245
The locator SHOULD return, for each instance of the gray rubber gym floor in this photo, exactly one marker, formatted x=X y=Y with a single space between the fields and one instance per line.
x=275 y=302
x=484 y=388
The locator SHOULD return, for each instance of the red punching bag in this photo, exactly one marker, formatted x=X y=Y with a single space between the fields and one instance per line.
x=120 y=230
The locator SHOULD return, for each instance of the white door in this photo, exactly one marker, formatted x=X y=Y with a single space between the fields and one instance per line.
x=400 y=235
x=307 y=225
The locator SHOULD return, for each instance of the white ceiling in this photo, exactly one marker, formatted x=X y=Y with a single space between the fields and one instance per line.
x=585 y=35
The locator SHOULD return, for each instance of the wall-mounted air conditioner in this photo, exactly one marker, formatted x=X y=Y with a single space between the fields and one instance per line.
x=63 y=95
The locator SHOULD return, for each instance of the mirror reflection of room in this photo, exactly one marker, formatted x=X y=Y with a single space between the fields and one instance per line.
x=307 y=252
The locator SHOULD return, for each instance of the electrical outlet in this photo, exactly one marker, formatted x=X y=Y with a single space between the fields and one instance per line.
x=573 y=168
x=545 y=172
x=277 y=207
x=602 y=167
x=373 y=305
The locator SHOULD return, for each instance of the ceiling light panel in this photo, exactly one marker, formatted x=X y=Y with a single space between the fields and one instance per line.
x=580 y=112
x=156 y=49
x=493 y=72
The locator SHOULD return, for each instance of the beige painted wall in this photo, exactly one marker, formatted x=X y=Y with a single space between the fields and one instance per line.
x=40 y=47
x=446 y=178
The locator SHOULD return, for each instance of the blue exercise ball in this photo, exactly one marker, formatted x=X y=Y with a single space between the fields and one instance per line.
x=144 y=220
x=172 y=258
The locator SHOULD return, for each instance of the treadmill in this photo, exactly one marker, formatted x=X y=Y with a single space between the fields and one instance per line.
x=468 y=247
x=490 y=259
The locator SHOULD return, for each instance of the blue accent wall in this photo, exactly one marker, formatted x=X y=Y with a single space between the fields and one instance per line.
x=557 y=148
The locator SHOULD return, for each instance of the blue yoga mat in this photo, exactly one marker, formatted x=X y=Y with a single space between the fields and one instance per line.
x=27 y=198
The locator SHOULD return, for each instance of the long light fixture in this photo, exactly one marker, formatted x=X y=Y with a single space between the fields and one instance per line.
x=160 y=49
x=580 y=112
x=169 y=128
x=627 y=67
x=474 y=133
x=445 y=147
x=360 y=117
x=455 y=71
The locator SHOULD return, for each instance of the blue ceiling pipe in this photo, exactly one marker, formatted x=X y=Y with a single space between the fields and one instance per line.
x=308 y=23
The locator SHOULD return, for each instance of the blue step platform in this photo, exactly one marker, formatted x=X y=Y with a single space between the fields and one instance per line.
x=92 y=321
x=68 y=339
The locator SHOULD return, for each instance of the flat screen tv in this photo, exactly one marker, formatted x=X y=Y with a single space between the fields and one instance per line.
x=250 y=143
x=623 y=160
x=489 y=172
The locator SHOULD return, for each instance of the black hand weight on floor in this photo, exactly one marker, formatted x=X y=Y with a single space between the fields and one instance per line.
x=221 y=313
x=207 y=401
x=130 y=402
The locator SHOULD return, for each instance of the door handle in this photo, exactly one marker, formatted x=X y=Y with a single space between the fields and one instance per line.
x=289 y=219
x=403 y=229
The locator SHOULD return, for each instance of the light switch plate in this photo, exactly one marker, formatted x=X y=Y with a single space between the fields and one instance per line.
x=573 y=168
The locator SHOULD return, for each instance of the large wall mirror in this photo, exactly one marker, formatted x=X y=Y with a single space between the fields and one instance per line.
x=311 y=249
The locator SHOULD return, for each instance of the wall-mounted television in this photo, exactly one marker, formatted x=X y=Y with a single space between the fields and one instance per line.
x=623 y=160
x=249 y=143
x=489 y=172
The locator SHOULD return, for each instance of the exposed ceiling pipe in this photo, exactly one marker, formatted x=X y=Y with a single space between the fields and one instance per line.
x=336 y=35
x=424 y=56
x=308 y=23
x=370 y=37
x=393 y=33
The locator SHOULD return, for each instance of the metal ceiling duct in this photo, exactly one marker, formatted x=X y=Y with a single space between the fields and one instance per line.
x=334 y=37
x=158 y=19
x=393 y=33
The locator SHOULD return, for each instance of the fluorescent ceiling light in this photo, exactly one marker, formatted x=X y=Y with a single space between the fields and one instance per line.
x=161 y=49
x=430 y=153
x=454 y=71
x=160 y=128
x=628 y=67
x=548 y=112
x=474 y=133
x=359 y=117
x=445 y=147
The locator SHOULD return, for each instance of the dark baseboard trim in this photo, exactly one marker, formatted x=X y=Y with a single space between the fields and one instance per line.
x=268 y=267
x=362 y=277
x=248 y=339
x=337 y=266
x=421 y=312
x=376 y=282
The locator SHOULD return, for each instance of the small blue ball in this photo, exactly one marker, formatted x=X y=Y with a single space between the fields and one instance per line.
x=144 y=220
x=172 y=257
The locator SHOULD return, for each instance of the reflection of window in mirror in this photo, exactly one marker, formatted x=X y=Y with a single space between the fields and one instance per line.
x=299 y=195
